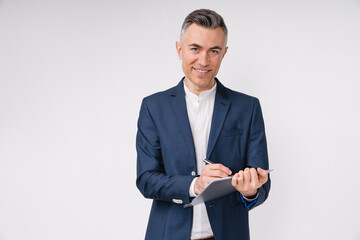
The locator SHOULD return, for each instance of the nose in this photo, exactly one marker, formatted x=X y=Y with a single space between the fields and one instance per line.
x=204 y=59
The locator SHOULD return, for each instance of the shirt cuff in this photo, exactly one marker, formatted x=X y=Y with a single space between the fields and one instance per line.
x=248 y=202
x=251 y=199
x=192 y=188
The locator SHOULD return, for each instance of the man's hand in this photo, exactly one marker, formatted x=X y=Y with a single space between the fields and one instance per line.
x=211 y=172
x=248 y=181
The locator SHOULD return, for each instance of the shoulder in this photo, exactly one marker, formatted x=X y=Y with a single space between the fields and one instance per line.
x=161 y=101
x=159 y=96
x=234 y=96
x=240 y=95
x=242 y=104
x=241 y=98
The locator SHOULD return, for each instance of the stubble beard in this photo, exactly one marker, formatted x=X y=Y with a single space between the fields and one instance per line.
x=205 y=85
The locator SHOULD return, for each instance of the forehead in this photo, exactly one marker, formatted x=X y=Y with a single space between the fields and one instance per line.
x=204 y=36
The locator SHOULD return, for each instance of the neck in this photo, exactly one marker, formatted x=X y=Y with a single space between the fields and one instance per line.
x=197 y=89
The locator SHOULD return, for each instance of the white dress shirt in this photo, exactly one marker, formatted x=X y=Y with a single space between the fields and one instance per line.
x=200 y=110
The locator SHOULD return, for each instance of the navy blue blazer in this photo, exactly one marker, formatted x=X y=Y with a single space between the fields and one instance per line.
x=166 y=161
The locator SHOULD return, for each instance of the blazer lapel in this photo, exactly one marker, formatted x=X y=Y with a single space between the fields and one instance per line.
x=179 y=106
x=221 y=107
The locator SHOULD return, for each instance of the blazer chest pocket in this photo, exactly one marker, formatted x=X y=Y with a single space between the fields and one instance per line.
x=231 y=132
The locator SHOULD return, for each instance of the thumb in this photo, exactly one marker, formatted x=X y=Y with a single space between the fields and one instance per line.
x=262 y=172
x=263 y=175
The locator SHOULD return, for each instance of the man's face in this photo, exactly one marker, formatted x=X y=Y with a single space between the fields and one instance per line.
x=201 y=52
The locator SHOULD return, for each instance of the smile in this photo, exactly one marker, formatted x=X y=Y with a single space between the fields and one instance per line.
x=201 y=71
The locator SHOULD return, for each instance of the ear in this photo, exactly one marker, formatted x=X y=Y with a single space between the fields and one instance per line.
x=225 y=52
x=179 y=50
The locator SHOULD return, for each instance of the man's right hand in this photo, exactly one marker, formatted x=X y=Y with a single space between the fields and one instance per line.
x=210 y=172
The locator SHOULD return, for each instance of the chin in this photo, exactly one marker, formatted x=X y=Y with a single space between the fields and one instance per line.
x=200 y=82
x=204 y=82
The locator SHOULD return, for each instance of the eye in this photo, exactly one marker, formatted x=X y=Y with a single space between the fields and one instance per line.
x=194 y=49
x=214 y=51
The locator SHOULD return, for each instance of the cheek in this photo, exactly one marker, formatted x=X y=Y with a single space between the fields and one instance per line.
x=187 y=63
x=186 y=66
x=216 y=62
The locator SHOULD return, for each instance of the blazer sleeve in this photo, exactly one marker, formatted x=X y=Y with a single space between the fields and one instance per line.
x=257 y=155
x=152 y=180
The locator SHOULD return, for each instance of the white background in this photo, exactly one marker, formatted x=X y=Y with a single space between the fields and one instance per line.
x=72 y=76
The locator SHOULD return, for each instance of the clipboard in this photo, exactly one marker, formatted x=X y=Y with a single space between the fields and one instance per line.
x=216 y=188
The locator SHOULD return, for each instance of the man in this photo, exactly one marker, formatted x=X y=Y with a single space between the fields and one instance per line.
x=201 y=119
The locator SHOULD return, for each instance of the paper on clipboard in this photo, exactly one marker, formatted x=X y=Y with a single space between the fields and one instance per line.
x=216 y=188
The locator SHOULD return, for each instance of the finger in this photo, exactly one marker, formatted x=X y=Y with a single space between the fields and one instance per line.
x=208 y=175
x=217 y=174
x=247 y=176
x=240 y=179
x=220 y=167
x=234 y=180
x=263 y=176
x=254 y=179
x=262 y=172
x=208 y=171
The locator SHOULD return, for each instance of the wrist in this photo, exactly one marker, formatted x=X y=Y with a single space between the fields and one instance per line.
x=192 y=188
x=251 y=195
x=196 y=187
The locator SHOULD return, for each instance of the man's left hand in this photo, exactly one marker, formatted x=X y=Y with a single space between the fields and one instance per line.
x=248 y=181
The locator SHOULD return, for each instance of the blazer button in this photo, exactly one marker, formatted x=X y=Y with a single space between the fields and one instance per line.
x=193 y=173
x=177 y=201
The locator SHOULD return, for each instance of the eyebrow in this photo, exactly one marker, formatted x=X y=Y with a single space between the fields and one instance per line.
x=198 y=46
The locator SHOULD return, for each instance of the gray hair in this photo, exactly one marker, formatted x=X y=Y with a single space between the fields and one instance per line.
x=204 y=18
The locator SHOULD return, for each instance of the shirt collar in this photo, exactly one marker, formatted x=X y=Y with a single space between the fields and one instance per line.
x=203 y=94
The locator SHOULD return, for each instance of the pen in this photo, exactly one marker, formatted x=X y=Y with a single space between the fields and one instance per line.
x=210 y=162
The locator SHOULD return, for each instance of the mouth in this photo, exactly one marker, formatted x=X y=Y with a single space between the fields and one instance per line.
x=202 y=70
